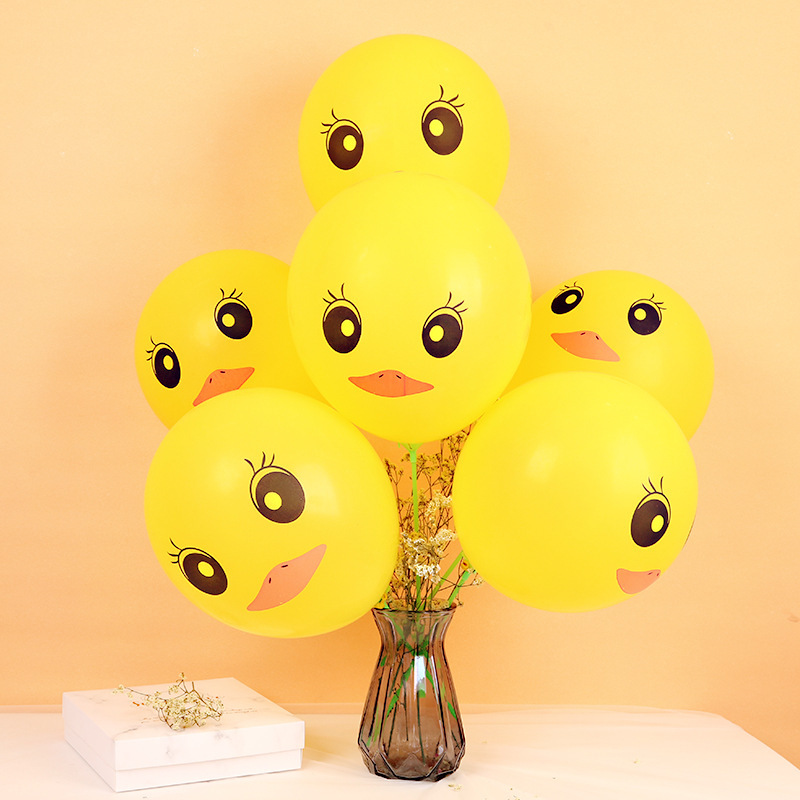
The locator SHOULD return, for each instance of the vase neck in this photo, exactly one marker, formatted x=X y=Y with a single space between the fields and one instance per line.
x=411 y=630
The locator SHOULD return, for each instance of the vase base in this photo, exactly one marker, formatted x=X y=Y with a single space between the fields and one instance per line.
x=407 y=772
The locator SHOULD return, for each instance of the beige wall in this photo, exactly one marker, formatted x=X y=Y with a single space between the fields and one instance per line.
x=660 y=137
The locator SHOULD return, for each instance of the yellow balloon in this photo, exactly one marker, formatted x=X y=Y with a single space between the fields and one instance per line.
x=403 y=102
x=409 y=302
x=272 y=513
x=628 y=325
x=574 y=492
x=216 y=323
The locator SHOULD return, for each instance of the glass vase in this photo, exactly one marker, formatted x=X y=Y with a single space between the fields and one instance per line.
x=411 y=726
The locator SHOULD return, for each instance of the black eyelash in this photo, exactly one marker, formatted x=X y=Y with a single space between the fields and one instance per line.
x=153 y=349
x=328 y=125
x=452 y=100
x=650 y=487
x=456 y=306
x=658 y=303
x=175 y=557
x=232 y=295
x=333 y=297
x=263 y=463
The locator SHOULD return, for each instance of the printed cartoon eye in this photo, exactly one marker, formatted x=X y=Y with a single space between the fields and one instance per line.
x=644 y=316
x=344 y=142
x=567 y=299
x=651 y=518
x=276 y=493
x=165 y=364
x=232 y=316
x=341 y=323
x=442 y=331
x=201 y=569
x=442 y=126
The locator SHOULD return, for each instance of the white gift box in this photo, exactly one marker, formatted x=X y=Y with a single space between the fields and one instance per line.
x=131 y=748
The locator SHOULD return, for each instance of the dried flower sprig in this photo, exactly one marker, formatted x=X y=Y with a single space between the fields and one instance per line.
x=182 y=708
x=427 y=577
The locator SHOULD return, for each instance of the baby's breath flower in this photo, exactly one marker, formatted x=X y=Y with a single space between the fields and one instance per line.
x=443 y=537
x=426 y=570
x=426 y=576
x=435 y=506
x=182 y=709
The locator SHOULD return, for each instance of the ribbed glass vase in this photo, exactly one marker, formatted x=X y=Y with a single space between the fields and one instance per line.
x=411 y=726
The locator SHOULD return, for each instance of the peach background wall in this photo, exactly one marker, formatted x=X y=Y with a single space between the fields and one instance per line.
x=660 y=137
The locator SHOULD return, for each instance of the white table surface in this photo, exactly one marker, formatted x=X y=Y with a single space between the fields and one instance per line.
x=515 y=753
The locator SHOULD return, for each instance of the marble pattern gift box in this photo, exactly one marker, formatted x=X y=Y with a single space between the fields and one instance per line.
x=131 y=748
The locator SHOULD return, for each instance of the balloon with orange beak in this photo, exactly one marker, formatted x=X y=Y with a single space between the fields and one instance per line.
x=409 y=302
x=574 y=492
x=272 y=513
x=215 y=324
x=629 y=325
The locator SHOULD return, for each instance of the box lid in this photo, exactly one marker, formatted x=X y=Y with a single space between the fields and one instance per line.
x=127 y=736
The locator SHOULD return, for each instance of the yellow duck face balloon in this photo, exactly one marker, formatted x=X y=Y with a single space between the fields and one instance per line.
x=272 y=513
x=409 y=305
x=574 y=492
x=629 y=325
x=403 y=102
x=217 y=323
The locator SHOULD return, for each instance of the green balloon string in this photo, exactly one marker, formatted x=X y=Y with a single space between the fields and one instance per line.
x=412 y=456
